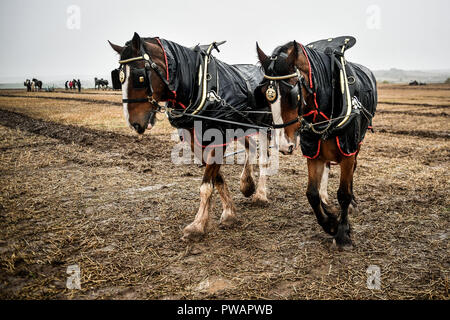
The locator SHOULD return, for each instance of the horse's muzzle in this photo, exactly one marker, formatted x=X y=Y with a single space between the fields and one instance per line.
x=288 y=150
x=139 y=129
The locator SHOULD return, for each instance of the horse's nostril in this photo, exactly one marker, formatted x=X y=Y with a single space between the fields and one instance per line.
x=138 y=128
x=291 y=149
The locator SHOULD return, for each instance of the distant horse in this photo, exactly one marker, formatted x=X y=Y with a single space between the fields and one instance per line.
x=307 y=92
x=154 y=70
x=37 y=84
x=101 y=83
x=416 y=83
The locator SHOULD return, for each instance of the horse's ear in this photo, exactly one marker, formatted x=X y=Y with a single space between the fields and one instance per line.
x=136 y=41
x=261 y=55
x=115 y=47
x=292 y=58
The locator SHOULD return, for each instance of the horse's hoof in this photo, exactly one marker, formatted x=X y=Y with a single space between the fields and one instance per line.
x=341 y=247
x=343 y=240
x=192 y=233
x=352 y=209
x=248 y=187
x=330 y=226
x=228 y=221
x=260 y=199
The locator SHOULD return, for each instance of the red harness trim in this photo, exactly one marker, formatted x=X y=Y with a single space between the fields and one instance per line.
x=343 y=153
x=315 y=112
x=165 y=58
x=316 y=105
x=317 y=154
x=167 y=74
x=309 y=64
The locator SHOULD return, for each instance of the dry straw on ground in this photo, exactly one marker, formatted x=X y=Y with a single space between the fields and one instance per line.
x=75 y=190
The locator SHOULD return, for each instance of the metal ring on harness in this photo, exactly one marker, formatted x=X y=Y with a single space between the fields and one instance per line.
x=351 y=80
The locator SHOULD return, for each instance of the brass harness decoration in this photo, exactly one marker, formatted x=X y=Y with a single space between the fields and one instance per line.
x=271 y=94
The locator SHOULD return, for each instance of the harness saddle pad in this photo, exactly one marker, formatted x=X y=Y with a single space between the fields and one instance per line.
x=363 y=94
x=234 y=84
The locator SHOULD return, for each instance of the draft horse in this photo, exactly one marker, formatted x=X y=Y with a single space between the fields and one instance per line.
x=314 y=92
x=98 y=83
x=195 y=86
x=37 y=84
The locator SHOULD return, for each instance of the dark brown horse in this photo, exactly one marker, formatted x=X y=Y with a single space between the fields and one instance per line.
x=155 y=70
x=302 y=87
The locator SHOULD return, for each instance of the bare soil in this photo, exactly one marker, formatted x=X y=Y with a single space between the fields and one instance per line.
x=78 y=187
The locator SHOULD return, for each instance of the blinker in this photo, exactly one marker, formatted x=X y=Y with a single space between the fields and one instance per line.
x=139 y=79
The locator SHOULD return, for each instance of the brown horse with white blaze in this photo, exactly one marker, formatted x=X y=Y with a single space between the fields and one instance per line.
x=292 y=87
x=149 y=68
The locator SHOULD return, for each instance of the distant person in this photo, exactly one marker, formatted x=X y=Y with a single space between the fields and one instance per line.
x=70 y=85
x=27 y=83
x=66 y=85
x=79 y=85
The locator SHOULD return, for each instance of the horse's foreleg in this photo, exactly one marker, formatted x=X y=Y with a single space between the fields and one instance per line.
x=228 y=217
x=354 y=204
x=247 y=184
x=323 y=191
x=315 y=173
x=345 y=196
x=197 y=228
x=261 y=192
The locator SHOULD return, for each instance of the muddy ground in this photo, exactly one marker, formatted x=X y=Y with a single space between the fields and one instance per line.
x=78 y=188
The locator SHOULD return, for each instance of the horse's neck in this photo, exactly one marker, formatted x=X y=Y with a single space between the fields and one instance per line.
x=182 y=67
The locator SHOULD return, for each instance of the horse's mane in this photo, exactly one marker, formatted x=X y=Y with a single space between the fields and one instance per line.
x=281 y=67
x=127 y=51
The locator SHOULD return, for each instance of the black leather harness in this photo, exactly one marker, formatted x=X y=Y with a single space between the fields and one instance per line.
x=141 y=77
x=296 y=98
x=346 y=93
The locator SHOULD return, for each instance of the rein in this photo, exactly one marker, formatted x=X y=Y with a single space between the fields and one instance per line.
x=296 y=94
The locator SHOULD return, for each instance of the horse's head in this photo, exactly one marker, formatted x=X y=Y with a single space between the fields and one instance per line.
x=143 y=86
x=282 y=88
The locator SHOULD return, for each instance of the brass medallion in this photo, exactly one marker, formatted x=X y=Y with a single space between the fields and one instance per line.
x=271 y=94
x=122 y=76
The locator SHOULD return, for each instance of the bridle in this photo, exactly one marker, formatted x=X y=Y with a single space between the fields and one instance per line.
x=141 y=77
x=296 y=99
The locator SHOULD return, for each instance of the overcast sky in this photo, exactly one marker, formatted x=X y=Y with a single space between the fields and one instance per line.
x=51 y=38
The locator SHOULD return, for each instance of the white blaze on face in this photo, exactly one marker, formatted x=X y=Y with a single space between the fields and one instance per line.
x=125 y=94
x=280 y=137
